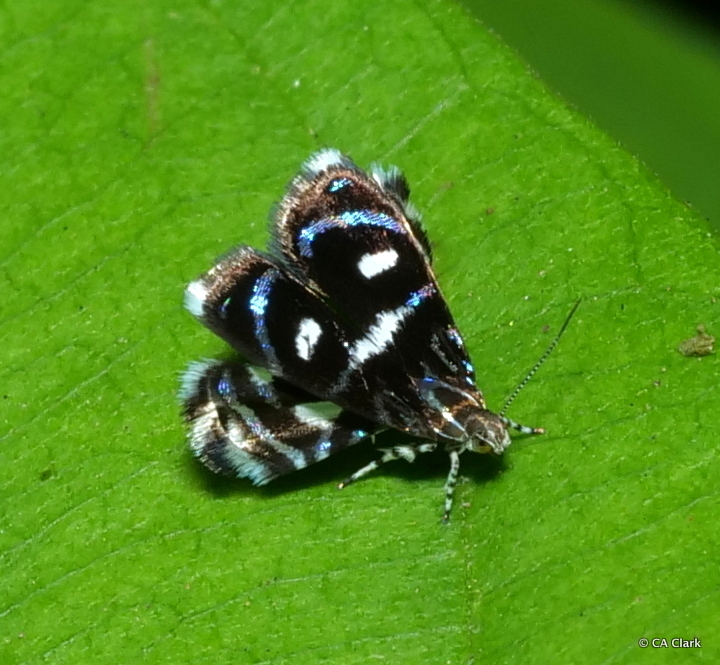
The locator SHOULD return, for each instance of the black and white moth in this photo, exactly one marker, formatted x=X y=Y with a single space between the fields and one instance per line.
x=343 y=332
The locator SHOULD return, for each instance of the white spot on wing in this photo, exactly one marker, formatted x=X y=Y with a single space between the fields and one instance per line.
x=193 y=376
x=373 y=264
x=246 y=464
x=384 y=176
x=317 y=414
x=201 y=430
x=378 y=336
x=195 y=296
x=307 y=337
x=323 y=160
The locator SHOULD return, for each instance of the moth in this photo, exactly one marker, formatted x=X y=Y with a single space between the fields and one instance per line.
x=343 y=332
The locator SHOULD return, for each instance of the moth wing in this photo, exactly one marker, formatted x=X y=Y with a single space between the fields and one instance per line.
x=355 y=238
x=244 y=422
x=346 y=305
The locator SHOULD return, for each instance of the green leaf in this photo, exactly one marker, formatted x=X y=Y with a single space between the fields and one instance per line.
x=141 y=140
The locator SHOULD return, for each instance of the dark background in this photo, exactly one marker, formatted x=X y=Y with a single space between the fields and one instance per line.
x=646 y=71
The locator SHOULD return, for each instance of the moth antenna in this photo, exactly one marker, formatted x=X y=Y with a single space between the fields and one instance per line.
x=539 y=363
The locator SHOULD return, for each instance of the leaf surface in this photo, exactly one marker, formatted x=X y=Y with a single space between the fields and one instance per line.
x=140 y=142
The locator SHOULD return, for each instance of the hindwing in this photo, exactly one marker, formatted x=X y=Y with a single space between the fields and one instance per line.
x=246 y=422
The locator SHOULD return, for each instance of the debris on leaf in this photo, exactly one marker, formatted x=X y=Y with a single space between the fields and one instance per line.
x=700 y=345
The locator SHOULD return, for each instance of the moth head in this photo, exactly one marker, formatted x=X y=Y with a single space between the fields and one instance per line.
x=487 y=433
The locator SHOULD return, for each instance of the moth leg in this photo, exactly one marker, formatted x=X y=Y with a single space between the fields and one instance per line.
x=522 y=428
x=408 y=453
x=450 y=484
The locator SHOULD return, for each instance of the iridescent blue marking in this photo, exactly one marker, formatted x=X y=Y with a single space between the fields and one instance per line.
x=224 y=307
x=258 y=306
x=338 y=184
x=421 y=294
x=262 y=386
x=225 y=388
x=324 y=446
x=357 y=435
x=454 y=335
x=345 y=219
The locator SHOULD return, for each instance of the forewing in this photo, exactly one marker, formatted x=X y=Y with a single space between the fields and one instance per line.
x=355 y=238
x=244 y=422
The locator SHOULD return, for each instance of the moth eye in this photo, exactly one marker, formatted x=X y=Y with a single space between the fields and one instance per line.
x=337 y=184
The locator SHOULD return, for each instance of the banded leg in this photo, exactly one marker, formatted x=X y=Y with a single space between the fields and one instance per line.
x=522 y=428
x=450 y=484
x=408 y=453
